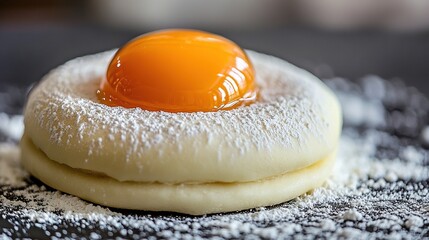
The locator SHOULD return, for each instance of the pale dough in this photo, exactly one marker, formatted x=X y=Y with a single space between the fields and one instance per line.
x=296 y=122
x=196 y=163
x=195 y=199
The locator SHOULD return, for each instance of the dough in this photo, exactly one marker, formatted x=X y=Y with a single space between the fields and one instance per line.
x=295 y=123
x=195 y=199
x=138 y=159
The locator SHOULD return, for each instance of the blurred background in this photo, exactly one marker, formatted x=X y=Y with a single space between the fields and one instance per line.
x=344 y=38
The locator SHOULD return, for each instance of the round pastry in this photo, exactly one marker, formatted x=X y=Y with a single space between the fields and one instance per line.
x=272 y=142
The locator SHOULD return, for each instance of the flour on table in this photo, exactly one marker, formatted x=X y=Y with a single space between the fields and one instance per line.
x=12 y=126
x=378 y=189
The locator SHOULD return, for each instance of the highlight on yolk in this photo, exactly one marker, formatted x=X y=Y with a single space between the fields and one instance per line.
x=179 y=71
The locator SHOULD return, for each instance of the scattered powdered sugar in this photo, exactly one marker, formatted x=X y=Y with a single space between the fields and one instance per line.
x=361 y=110
x=414 y=222
x=352 y=214
x=412 y=154
x=378 y=189
x=11 y=173
x=12 y=126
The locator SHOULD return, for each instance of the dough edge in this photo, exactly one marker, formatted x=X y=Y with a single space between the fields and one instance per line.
x=193 y=199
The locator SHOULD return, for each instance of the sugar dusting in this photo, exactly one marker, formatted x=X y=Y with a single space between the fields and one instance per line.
x=292 y=104
x=11 y=126
x=378 y=189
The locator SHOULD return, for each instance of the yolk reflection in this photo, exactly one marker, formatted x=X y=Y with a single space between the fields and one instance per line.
x=179 y=71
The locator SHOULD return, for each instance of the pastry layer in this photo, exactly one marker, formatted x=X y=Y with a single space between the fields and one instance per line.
x=195 y=199
x=295 y=123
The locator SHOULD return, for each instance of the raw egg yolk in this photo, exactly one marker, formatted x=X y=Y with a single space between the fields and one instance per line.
x=179 y=71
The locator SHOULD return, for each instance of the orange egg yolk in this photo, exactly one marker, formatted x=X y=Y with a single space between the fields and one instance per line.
x=179 y=71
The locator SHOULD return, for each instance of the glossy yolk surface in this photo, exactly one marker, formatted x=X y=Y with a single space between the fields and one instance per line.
x=179 y=71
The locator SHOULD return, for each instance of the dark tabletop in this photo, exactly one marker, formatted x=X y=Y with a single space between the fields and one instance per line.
x=27 y=52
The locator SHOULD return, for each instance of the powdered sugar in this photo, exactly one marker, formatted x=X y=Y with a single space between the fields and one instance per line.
x=352 y=214
x=357 y=108
x=12 y=126
x=10 y=169
x=414 y=222
x=344 y=198
x=379 y=189
x=293 y=92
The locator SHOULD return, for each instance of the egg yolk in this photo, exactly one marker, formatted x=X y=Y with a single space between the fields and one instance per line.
x=179 y=71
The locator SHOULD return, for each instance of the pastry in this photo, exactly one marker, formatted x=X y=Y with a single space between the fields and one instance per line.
x=275 y=142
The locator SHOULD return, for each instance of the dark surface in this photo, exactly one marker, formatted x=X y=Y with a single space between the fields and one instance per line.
x=28 y=51
x=404 y=197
